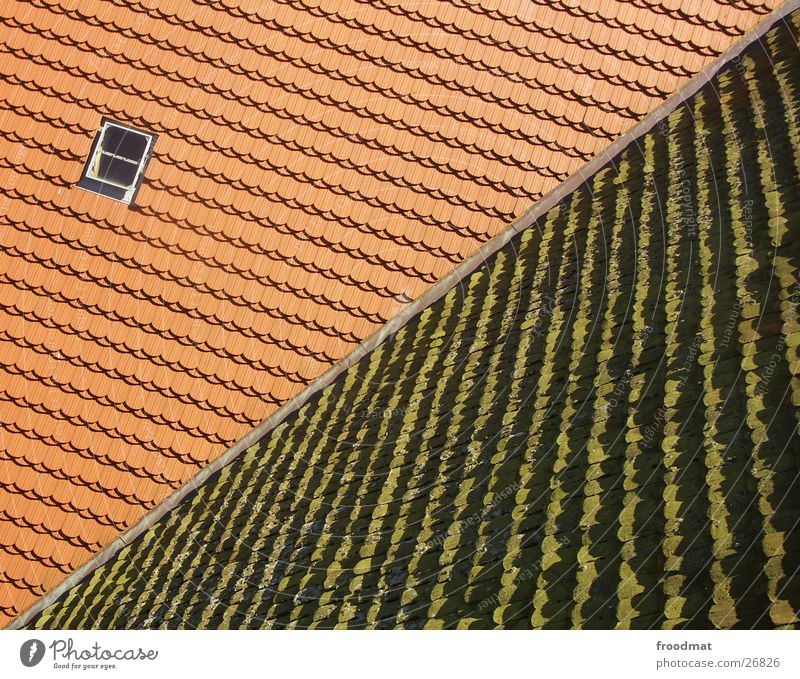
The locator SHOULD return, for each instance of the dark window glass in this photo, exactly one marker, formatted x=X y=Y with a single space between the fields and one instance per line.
x=116 y=170
x=125 y=143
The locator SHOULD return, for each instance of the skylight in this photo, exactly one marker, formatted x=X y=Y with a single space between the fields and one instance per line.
x=117 y=161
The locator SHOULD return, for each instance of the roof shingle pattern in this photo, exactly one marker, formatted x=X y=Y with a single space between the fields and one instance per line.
x=318 y=166
x=598 y=428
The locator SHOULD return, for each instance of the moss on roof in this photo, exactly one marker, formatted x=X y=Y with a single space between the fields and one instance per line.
x=597 y=429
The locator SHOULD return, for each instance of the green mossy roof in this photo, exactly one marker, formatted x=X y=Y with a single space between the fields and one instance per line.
x=595 y=429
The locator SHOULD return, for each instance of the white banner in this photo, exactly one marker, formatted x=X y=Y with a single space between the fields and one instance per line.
x=398 y=654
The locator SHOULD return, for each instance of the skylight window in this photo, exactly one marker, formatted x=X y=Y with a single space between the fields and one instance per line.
x=117 y=161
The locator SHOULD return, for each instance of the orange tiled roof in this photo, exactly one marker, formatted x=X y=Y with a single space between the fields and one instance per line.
x=319 y=164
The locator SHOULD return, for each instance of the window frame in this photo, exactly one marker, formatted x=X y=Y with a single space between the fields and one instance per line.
x=109 y=189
